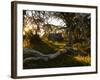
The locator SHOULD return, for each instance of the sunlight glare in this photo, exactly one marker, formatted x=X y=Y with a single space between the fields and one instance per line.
x=30 y=27
x=26 y=29
x=23 y=32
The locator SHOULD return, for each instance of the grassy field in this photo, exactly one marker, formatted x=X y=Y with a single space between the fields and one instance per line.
x=64 y=60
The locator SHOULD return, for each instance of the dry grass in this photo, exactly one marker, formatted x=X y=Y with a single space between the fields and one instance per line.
x=26 y=43
x=83 y=59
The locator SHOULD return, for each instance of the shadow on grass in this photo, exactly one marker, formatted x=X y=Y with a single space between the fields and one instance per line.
x=62 y=60
x=39 y=45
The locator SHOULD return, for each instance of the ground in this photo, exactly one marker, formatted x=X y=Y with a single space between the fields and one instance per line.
x=69 y=59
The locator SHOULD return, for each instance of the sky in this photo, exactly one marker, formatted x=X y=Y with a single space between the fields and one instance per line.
x=57 y=22
x=51 y=20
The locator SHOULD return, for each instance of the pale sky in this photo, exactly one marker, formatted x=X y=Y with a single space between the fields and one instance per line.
x=57 y=22
x=52 y=20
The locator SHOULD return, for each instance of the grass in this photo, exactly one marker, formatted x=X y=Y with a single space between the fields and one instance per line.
x=64 y=60
x=83 y=59
x=61 y=61
x=43 y=47
x=40 y=46
x=55 y=44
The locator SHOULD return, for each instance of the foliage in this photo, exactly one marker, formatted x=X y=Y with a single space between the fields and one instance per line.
x=42 y=34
